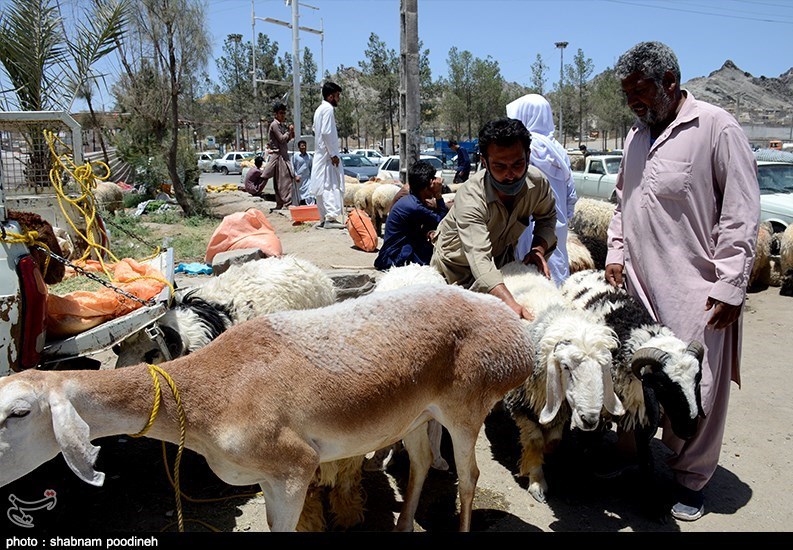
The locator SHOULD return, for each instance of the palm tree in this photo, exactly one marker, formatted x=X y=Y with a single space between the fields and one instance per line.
x=47 y=68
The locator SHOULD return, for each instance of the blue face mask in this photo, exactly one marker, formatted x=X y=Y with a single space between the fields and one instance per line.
x=510 y=188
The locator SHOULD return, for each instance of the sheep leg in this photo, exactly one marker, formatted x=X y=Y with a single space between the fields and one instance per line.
x=435 y=433
x=532 y=443
x=312 y=518
x=464 y=443
x=417 y=444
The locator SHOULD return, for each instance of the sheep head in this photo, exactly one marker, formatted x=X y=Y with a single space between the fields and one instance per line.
x=36 y=424
x=673 y=371
x=579 y=371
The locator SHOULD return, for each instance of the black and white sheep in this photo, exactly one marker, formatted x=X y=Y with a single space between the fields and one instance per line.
x=654 y=371
x=571 y=380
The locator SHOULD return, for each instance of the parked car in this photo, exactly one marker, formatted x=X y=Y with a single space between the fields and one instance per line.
x=269 y=190
x=358 y=167
x=597 y=177
x=205 y=160
x=372 y=154
x=231 y=163
x=776 y=193
x=389 y=168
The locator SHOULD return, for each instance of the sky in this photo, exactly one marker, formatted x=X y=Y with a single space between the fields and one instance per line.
x=757 y=35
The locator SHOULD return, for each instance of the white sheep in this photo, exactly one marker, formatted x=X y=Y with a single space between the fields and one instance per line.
x=382 y=197
x=579 y=256
x=592 y=218
x=786 y=261
x=761 y=268
x=243 y=292
x=363 y=197
x=571 y=380
x=108 y=196
x=349 y=193
x=274 y=398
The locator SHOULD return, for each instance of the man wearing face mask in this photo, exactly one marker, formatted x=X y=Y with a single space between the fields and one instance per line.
x=491 y=211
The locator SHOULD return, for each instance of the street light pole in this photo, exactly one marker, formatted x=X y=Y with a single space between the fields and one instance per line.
x=561 y=46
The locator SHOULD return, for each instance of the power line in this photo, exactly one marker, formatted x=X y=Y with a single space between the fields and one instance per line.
x=763 y=20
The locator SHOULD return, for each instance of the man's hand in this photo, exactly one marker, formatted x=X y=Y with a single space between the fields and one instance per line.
x=536 y=256
x=297 y=179
x=501 y=292
x=334 y=160
x=723 y=314
x=614 y=275
x=431 y=203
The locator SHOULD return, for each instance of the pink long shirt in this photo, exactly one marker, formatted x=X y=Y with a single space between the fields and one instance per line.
x=686 y=224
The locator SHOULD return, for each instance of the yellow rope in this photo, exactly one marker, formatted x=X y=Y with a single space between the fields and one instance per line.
x=29 y=239
x=154 y=371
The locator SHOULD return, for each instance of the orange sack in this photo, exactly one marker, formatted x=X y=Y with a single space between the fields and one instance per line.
x=81 y=310
x=248 y=229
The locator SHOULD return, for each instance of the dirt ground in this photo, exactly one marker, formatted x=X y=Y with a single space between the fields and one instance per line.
x=750 y=492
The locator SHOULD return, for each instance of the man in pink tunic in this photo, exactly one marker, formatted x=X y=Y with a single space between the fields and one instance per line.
x=682 y=240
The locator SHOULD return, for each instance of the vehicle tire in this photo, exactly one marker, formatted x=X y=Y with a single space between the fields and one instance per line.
x=224 y=170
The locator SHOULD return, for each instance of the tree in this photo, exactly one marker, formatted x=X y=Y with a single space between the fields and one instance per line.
x=310 y=93
x=174 y=38
x=608 y=106
x=488 y=89
x=538 y=72
x=48 y=69
x=460 y=89
x=577 y=74
x=381 y=72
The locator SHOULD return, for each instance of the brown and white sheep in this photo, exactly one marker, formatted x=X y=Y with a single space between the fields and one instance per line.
x=274 y=398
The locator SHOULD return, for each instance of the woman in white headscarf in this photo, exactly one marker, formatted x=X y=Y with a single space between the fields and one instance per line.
x=551 y=159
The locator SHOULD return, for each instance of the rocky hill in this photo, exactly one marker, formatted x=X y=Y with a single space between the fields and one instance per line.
x=754 y=100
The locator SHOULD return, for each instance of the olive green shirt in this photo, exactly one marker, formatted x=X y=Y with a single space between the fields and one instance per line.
x=479 y=234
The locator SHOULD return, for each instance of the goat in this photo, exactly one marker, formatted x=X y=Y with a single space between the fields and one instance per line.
x=243 y=292
x=571 y=379
x=273 y=398
x=653 y=370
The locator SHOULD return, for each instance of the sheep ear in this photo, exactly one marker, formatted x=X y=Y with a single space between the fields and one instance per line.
x=73 y=436
x=610 y=399
x=553 y=392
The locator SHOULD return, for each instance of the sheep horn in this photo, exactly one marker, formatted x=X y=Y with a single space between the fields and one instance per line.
x=697 y=350
x=653 y=357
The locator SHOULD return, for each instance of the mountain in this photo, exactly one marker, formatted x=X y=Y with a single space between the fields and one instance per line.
x=754 y=100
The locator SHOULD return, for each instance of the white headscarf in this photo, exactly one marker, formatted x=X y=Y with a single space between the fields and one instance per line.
x=534 y=111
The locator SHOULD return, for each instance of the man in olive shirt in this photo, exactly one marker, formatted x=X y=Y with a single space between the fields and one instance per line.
x=490 y=212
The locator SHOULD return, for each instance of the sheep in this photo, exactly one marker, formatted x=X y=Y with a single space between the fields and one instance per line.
x=571 y=379
x=363 y=197
x=653 y=370
x=761 y=268
x=349 y=193
x=243 y=292
x=108 y=196
x=786 y=261
x=382 y=197
x=394 y=278
x=592 y=218
x=298 y=389
x=579 y=256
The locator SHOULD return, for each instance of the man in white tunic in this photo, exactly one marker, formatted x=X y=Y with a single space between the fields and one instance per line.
x=327 y=178
x=547 y=154
x=682 y=239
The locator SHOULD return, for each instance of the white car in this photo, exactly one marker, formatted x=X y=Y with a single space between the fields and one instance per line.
x=776 y=193
x=205 y=160
x=389 y=168
x=372 y=154
x=231 y=162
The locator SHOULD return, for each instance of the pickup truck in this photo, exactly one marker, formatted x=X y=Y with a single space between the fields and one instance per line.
x=231 y=162
x=598 y=178
x=24 y=343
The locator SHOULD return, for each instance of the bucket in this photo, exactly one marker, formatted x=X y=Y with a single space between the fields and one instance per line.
x=307 y=213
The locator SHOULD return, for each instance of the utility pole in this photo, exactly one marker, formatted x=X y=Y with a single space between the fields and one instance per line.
x=561 y=46
x=296 y=28
x=409 y=105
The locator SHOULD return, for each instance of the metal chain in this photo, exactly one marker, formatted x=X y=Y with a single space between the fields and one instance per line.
x=106 y=219
x=96 y=278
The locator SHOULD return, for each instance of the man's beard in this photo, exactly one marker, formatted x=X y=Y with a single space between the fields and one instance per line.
x=333 y=102
x=660 y=111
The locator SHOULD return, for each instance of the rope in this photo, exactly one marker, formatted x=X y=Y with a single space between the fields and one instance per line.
x=29 y=239
x=154 y=371
x=174 y=480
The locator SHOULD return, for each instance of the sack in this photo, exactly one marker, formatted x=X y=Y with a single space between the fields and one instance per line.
x=248 y=229
x=361 y=229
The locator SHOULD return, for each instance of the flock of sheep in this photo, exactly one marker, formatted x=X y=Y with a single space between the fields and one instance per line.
x=288 y=387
